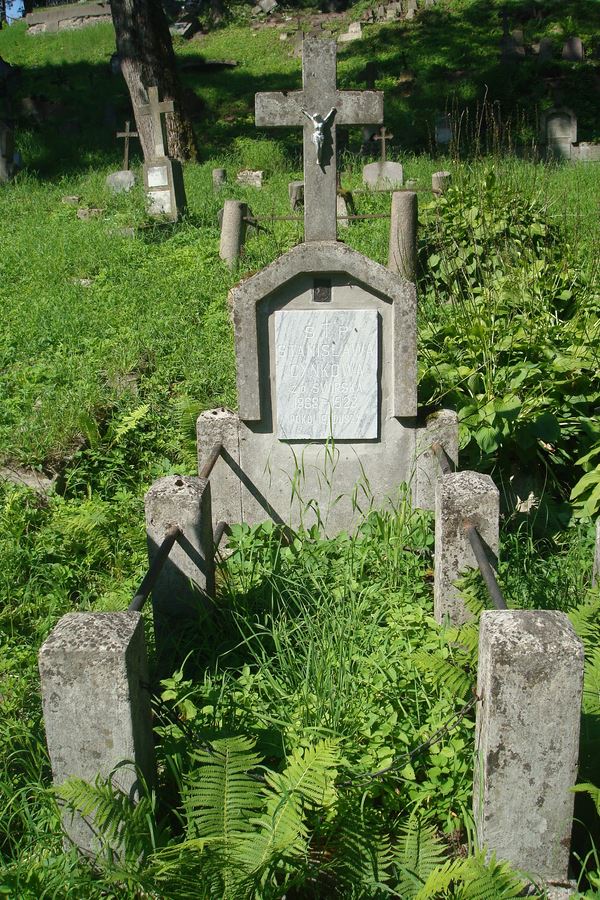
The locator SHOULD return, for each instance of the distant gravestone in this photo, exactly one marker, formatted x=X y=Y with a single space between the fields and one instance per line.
x=559 y=131
x=572 y=50
x=121 y=182
x=383 y=175
x=546 y=50
x=163 y=177
x=354 y=33
x=250 y=178
x=443 y=129
x=7 y=153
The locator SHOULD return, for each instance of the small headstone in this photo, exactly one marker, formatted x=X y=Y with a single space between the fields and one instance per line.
x=572 y=50
x=89 y=212
x=354 y=33
x=120 y=182
x=383 y=176
x=7 y=153
x=560 y=132
x=443 y=129
x=250 y=178
x=546 y=49
x=219 y=177
x=267 y=6
x=71 y=200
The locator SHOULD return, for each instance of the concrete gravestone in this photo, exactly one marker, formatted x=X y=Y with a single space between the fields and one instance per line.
x=559 y=129
x=163 y=178
x=383 y=175
x=325 y=344
x=122 y=181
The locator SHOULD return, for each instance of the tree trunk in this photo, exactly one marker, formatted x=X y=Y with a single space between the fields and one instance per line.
x=146 y=53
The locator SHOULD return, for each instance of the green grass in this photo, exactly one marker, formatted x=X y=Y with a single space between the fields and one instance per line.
x=111 y=345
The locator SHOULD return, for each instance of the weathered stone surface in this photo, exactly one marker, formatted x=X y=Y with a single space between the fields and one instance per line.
x=342 y=211
x=572 y=50
x=219 y=177
x=402 y=255
x=120 y=182
x=383 y=175
x=530 y=680
x=89 y=212
x=93 y=675
x=296 y=194
x=442 y=428
x=187 y=578
x=67 y=17
x=29 y=478
x=586 y=151
x=559 y=132
x=460 y=497
x=440 y=182
x=250 y=178
x=354 y=33
x=326 y=366
x=233 y=231
x=165 y=191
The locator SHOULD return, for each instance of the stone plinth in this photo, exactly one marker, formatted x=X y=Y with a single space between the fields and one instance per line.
x=459 y=498
x=530 y=682
x=96 y=706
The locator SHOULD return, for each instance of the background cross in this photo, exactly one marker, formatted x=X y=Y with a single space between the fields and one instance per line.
x=318 y=96
x=126 y=134
x=383 y=136
x=154 y=108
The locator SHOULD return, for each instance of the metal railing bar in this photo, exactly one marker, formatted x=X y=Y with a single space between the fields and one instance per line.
x=151 y=576
x=209 y=465
x=220 y=529
x=485 y=567
x=446 y=464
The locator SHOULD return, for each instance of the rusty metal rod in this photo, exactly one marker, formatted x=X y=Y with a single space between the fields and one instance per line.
x=149 y=579
x=485 y=567
x=221 y=528
x=215 y=452
x=446 y=464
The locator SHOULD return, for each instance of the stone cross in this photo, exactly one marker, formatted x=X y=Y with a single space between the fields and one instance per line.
x=155 y=109
x=383 y=136
x=127 y=134
x=319 y=107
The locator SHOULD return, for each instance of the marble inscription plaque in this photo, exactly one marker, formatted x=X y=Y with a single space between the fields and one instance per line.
x=326 y=369
x=157 y=176
x=159 y=203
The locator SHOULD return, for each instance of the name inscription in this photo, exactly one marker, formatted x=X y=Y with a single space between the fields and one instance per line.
x=326 y=365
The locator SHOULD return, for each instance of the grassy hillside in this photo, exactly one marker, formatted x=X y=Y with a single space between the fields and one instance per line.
x=116 y=334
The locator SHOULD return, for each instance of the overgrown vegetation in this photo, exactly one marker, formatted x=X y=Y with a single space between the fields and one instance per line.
x=322 y=657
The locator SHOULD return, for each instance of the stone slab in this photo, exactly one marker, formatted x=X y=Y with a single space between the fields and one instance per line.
x=383 y=175
x=165 y=191
x=96 y=709
x=120 y=182
x=326 y=365
x=530 y=681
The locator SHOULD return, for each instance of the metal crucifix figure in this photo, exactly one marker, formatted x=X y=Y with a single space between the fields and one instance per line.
x=318 y=135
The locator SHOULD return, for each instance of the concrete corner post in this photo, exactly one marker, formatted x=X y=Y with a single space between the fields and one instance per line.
x=233 y=231
x=440 y=182
x=187 y=578
x=530 y=683
x=402 y=256
x=94 y=683
x=461 y=497
x=442 y=428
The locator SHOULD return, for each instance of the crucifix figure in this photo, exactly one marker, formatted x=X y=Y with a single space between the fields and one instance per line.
x=155 y=109
x=383 y=136
x=319 y=107
x=127 y=134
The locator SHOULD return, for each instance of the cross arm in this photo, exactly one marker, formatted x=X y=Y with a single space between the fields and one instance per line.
x=278 y=108
x=359 y=108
